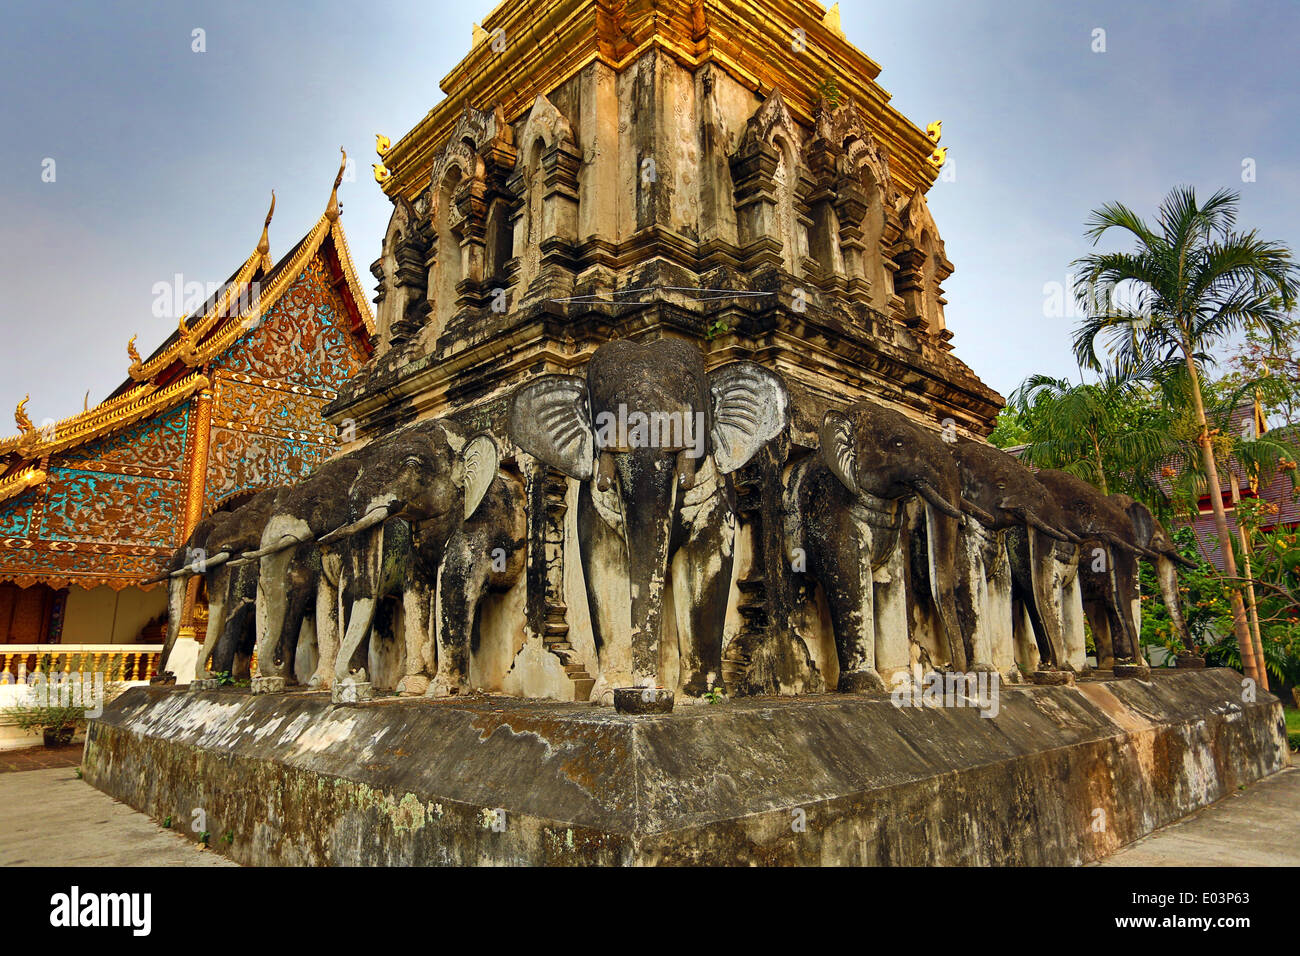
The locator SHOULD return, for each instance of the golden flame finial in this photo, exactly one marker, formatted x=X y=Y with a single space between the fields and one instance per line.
x=382 y=172
x=935 y=131
x=264 y=244
x=20 y=417
x=132 y=352
x=382 y=145
x=332 y=210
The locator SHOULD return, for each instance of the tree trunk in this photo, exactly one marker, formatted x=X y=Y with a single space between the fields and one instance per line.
x=1245 y=645
x=1252 y=605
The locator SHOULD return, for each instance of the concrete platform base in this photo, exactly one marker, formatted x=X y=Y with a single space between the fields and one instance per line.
x=1056 y=775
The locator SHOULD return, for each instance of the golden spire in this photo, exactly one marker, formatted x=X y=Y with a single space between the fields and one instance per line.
x=332 y=210
x=20 y=416
x=832 y=20
x=264 y=244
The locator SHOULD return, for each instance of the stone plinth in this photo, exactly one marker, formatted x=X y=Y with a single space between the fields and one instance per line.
x=1061 y=774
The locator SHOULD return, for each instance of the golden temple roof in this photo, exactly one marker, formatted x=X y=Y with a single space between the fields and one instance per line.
x=174 y=372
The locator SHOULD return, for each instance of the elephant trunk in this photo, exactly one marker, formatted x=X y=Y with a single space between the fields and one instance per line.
x=648 y=485
x=1168 y=578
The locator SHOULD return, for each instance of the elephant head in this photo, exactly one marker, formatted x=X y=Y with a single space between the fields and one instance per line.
x=650 y=432
x=1151 y=538
x=1006 y=492
x=882 y=453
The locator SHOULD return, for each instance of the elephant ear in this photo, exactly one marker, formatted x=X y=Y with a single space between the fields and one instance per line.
x=841 y=457
x=750 y=408
x=1144 y=522
x=549 y=420
x=481 y=461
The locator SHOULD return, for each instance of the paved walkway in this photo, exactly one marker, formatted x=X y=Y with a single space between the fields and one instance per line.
x=40 y=758
x=51 y=818
x=1258 y=826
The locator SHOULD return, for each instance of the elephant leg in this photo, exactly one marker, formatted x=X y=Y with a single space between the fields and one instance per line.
x=462 y=580
x=327 y=622
x=701 y=582
x=1099 y=621
x=361 y=593
x=1043 y=605
x=417 y=620
x=1072 y=630
x=605 y=570
x=942 y=555
x=271 y=608
x=217 y=600
x=842 y=562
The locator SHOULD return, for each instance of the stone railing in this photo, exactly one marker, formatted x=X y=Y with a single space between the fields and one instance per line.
x=129 y=663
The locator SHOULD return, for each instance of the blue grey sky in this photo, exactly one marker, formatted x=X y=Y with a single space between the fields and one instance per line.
x=165 y=158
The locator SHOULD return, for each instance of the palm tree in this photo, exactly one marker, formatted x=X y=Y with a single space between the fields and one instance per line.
x=1106 y=432
x=1190 y=282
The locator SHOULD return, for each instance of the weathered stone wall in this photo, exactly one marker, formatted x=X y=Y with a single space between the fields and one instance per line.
x=1061 y=775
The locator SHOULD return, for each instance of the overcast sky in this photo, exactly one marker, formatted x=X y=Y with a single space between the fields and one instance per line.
x=164 y=158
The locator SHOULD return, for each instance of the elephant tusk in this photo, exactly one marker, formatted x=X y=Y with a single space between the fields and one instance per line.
x=685 y=470
x=1119 y=542
x=924 y=489
x=376 y=517
x=605 y=472
x=1179 y=559
x=288 y=541
x=1039 y=525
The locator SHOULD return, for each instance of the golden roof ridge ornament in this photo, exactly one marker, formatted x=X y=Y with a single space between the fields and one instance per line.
x=333 y=210
x=25 y=426
x=188 y=343
x=134 y=355
x=264 y=244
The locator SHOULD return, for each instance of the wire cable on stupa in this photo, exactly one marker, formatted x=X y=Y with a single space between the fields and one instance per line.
x=716 y=294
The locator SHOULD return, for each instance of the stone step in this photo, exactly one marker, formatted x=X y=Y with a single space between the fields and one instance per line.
x=582 y=689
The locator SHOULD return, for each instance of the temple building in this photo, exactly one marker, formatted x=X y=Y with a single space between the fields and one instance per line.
x=92 y=507
x=728 y=174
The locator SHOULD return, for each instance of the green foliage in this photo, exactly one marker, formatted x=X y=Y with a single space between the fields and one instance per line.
x=34 y=719
x=1010 y=430
x=167 y=822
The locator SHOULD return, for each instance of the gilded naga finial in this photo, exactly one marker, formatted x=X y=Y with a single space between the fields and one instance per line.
x=935 y=131
x=264 y=244
x=135 y=370
x=189 y=343
x=382 y=145
x=333 y=210
x=382 y=172
x=24 y=423
x=939 y=157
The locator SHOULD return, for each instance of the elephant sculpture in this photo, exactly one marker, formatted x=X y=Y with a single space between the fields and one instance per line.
x=1108 y=561
x=186 y=562
x=436 y=528
x=232 y=586
x=1027 y=525
x=653 y=437
x=851 y=499
x=299 y=579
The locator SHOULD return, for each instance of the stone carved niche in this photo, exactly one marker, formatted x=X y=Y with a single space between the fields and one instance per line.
x=468 y=244
x=546 y=219
x=855 y=196
x=922 y=267
x=770 y=188
x=403 y=279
